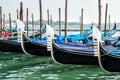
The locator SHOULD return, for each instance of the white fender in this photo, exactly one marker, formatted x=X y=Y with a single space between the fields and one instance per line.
x=50 y=37
x=96 y=40
x=20 y=29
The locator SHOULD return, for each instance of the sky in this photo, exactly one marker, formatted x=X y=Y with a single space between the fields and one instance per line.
x=74 y=9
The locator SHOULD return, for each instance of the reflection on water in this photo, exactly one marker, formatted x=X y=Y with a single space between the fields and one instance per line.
x=19 y=66
x=82 y=74
x=50 y=76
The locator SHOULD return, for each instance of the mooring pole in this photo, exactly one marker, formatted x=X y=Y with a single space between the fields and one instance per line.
x=33 y=24
x=41 y=21
x=21 y=11
x=81 y=21
x=10 y=23
x=51 y=20
x=66 y=6
x=109 y=22
x=17 y=14
x=4 y=26
x=48 y=16
x=0 y=21
x=59 y=21
x=27 y=22
x=99 y=14
x=105 y=19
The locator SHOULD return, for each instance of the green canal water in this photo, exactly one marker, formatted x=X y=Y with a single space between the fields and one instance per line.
x=20 y=66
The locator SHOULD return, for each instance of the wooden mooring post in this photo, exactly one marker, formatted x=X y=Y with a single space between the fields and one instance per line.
x=33 y=24
x=66 y=9
x=10 y=23
x=48 y=16
x=92 y=23
x=21 y=11
x=99 y=14
x=41 y=21
x=0 y=21
x=27 y=22
x=105 y=19
x=51 y=20
x=109 y=21
x=4 y=22
x=81 y=30
x=17 y=14
x=59 y=21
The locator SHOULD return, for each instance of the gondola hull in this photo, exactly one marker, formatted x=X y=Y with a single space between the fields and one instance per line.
x=10 y=46
x=69 y=57
x=109 y=62
x=34 y=48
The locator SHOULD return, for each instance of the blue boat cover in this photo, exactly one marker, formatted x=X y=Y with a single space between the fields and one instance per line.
x=117 y=44
x=111 y=50
x=14 y=29
x=109 y=38
x=110 y=32
x=87 y=32
x=75 y=47
x=115 y=52
x=75 y=37
x=14 y=40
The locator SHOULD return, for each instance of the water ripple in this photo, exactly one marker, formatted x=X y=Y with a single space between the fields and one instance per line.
x=50 y=76
x=82 y=74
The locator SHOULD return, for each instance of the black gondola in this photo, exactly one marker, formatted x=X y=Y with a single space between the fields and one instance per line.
x=109 y=58
x=34 y=47
x=10 y=46
x=70 y=52
x=73 y=54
